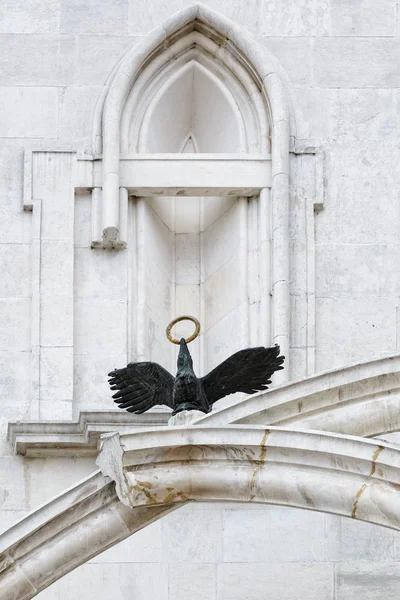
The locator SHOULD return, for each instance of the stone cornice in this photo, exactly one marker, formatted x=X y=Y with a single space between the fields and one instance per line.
x=76 y=438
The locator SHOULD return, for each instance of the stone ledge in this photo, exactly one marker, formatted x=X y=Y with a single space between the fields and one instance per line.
x=77 y=438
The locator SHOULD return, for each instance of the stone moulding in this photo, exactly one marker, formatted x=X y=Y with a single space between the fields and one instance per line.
x=343 y=475
x=146 y=474
x=362 y=399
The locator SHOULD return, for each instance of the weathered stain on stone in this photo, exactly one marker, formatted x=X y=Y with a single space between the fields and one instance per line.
x=309 y=501
x=374 y=459
x=260 y=462
x=375 y=456
x=143 y=488
x=357 y=498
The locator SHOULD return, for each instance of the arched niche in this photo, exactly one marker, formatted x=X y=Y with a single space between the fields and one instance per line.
x=192 y=104
x=193 y=127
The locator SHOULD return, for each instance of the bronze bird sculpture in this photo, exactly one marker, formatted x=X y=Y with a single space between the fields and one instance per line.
x=142 y=385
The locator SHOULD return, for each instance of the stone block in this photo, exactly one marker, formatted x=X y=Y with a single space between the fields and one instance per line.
x=76 y=107
x=48 y=477
x=286 y=581
x=145 y=546
x=12 y=484
x=94 y=16
x=356 y=62
x=274 y=535
x=294 y=54
x=364 y=114
x=16 y=226
x=100 y=274
x=187 y=302
x=37 y=60
x=157 y=290
x=9 y=517
x=15 y=266
x=214 y=208
x=56 y=409
x=98 y=55
x=220 y=241
x=363 y=18
x=14 y=379
x=218 y=300
x=56 y=267
x=357 y=270
x=187 y=265
x=227 y=336
x=299 y=266
x=83 y=222
x=56 y=374
x=164 y=207
x=299 y=362
x=369 y=580
x=187 y=214
x=121 y=582
x=144 y=16
x=91 y=388
x=11 y=181
x=158 y=240
x=314 y=104
x=56 y=318
x=299 y=320
x=28 y=112
x=32 y=16
x=359 y=326
x=15 y=315
x=306 y=18
x=192 y=536
x=351 y=540
x=326 y=361
x=100 y=327
x=362 y=205
x=154 y=343
x=194 y=581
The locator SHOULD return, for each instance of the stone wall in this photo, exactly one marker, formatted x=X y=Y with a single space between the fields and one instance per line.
x=342 y=59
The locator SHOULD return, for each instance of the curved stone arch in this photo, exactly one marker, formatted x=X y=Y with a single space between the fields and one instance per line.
x=239 y=85
x=147 y=474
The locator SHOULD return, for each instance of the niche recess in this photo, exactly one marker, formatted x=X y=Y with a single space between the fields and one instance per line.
x=192 y=131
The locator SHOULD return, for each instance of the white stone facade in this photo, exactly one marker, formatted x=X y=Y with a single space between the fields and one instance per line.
x=286 y=230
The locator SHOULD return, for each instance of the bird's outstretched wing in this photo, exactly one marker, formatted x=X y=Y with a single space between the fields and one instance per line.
x=141 y=386
x=247 y=371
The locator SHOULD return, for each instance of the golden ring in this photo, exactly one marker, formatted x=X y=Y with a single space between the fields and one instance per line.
x=184 y=318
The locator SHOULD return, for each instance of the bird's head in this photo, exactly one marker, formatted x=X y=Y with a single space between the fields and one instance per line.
x=184 y=358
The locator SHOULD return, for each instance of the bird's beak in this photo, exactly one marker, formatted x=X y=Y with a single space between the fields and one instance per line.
x=183 y=349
